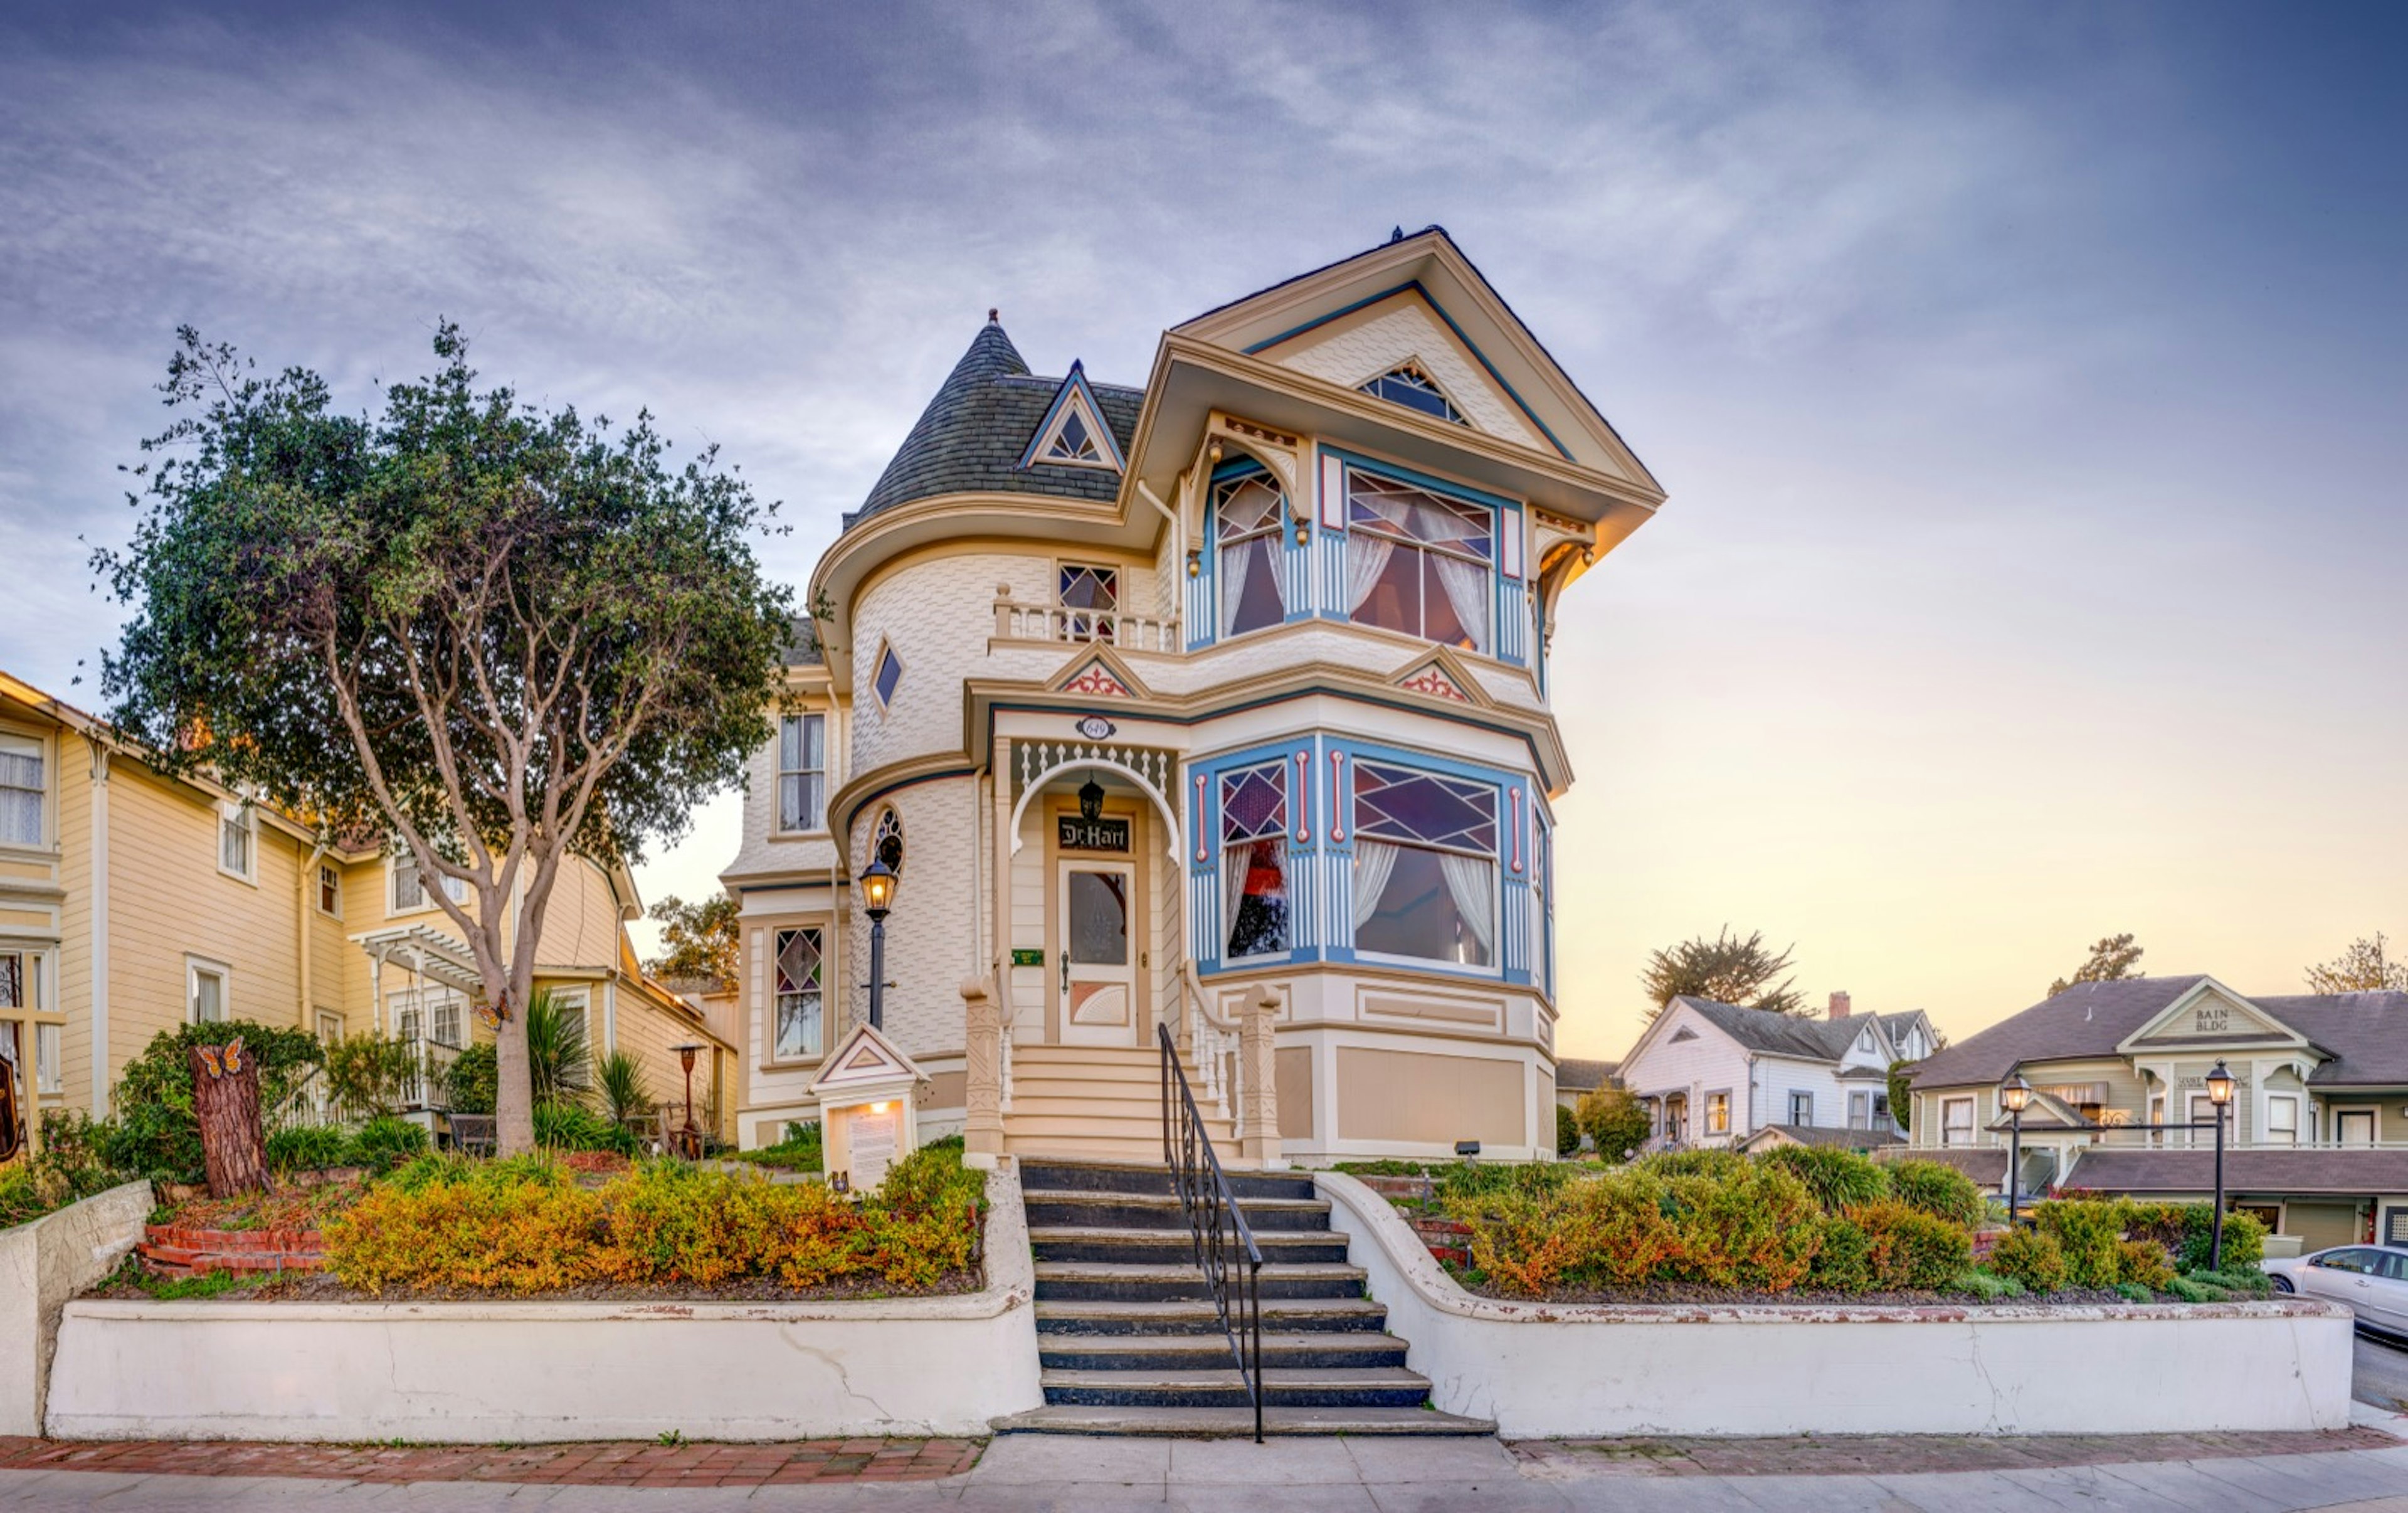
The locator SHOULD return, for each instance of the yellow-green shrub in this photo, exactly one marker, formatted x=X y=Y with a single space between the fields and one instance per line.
x=2145 y=1264
x=1939 y=1190
x=1909 y=1249
x=524 y=1226
x=2030 y=1257
x=1613 y=1229
x=2090 y=1231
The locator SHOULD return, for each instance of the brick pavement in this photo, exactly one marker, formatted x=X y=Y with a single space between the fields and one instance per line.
x=603 y=1463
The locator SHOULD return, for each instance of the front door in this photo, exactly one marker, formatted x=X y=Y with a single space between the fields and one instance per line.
x=1098 y=951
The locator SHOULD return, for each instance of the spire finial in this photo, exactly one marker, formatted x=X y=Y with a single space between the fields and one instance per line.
x=1397 y=234
x=993 y=315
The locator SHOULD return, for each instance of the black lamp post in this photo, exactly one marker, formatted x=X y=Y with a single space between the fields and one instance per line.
x=2014 y=1095
x=691 y=1136
x=878 y=882
x=2220 y=1093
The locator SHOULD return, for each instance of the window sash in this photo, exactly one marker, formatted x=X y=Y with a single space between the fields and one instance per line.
x=1801 y=1108
x=1380 y=788
x=15 y=990
x=798 y=1002
x=1956 y=1121
x=802 y=772
x=50 y=1076
x=1717 y=1113
x=1243 y=788
x=330 y=890
x=236 y=833
x=1410 y=903
x=2282 y=1118
x=208 y=991
x=20 y=791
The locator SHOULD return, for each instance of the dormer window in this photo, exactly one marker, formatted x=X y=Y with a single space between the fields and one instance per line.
x=1407 y=384
x=1072 y=434
x=1073 y=442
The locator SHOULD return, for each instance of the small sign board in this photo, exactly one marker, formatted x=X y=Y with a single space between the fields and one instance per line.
x=1028 y=955
x=1073 y=833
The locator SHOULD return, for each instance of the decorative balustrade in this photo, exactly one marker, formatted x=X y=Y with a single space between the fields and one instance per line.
x=1122 y=628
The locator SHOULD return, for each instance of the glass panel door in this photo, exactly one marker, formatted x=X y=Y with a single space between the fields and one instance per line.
x=1096 y=908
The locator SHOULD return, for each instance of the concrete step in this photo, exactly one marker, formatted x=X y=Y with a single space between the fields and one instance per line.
x=1210 y=1352
x=1109 y=1281
x=1232 y=1423
x=1124 y=1318
x=1176 y=1247
x=1324 y=1387
x=1082 y=1120
x=1151 y=1177
x=1092 y=1147
x=1067 y=1207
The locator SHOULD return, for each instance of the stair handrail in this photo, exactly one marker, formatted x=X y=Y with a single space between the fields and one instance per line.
x=1217 y=1228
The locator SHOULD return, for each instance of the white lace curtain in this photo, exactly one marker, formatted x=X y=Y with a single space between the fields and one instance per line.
x=1466 y=585
x=1366 y=557
x=1233 y=583
x=1236 y=860
x=1375 y=862
x=1471 y=881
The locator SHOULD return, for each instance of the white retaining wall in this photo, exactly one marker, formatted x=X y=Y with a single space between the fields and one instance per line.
x=1549 y=1370
x=526 y=1372
x=43 y=1264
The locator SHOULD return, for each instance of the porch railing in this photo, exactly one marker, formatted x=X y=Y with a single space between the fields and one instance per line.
x=1123 y=628
x=314 y=1103
x=1226 y=1251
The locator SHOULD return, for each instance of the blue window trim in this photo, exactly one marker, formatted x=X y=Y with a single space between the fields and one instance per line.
x=1110 y=446
x=1204 y=853
x=1507 y=596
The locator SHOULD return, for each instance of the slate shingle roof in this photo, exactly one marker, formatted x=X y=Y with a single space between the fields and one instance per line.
x=1837 y=1139
x=971 y=437
x=2367 y=1033
x=1778 y=1034
x=1985 y=1164
x=803 y=642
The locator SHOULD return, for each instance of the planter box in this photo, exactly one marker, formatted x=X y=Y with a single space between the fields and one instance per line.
x=477 y=1373
x=1567 y=1370
x=43 y=1264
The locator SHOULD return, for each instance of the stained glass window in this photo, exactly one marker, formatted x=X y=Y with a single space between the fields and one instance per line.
x=1418 y=562
x=1091 y=596
x=886 y=841
x=1425 y=865
x=1407 y=384
x=797 y=989
x=1250 y=516
x=1073 y=442
x=1253 y=860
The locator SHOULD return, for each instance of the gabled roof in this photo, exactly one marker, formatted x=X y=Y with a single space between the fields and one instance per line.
x=973 y=434
x=1574 y=1075
x=1777 y=1034
x=1823 y=1136
x=2364 y=1036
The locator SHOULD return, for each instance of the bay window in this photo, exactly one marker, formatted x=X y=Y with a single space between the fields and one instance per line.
x=797 y=989
x=1425 y=865
x=1253 y=861
x=1250 y=525
x=1419 y=562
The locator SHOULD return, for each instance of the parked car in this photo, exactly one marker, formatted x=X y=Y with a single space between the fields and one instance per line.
x=2372 y=1279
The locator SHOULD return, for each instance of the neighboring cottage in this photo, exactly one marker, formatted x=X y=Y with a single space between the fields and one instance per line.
x=132 y=903
x=1166 y=700
x=2317 y=1143
x=1576 y=1078
x=1714 y=1073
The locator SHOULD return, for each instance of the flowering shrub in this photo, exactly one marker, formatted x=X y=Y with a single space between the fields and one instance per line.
x=524 y=1225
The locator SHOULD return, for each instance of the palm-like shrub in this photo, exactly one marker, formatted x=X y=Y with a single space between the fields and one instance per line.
x=1838 y=1179
x=618 y=1088
x=560 y=1062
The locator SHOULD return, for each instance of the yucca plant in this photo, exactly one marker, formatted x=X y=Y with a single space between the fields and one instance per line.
x=619 y=1085
x=560 y=1063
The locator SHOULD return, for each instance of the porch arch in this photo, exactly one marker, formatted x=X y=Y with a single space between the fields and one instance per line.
x=1055 y=763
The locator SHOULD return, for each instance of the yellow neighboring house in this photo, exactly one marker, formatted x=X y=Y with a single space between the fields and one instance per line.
x=131 y=902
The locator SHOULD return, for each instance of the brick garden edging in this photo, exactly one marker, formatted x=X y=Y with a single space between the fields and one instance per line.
x=603 y=1463
x=182 y=1250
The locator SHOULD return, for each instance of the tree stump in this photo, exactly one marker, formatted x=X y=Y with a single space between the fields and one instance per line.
x=226 y=1099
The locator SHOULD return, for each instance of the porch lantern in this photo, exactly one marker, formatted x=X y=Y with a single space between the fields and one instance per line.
x=1091 y=800
x=2219 y=1095
x=2014 y=1096
x=877 y=883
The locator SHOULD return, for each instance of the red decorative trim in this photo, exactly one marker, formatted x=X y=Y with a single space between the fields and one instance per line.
x=1201 y=853
x=1432 y=680
x=1097 y=679
x=1337 y=795
x=1303 y=797
x=1513 y=797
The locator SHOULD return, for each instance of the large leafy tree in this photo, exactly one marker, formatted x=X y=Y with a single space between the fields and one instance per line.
x=700 y=942
x=2113 y=959
x=1726 y=968
x=2366 y=966
x=499 y=636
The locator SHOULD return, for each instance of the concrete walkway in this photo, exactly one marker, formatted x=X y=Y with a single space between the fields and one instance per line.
x=1367 y=1475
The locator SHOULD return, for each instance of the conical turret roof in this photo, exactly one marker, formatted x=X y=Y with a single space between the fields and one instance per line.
x=971 y=437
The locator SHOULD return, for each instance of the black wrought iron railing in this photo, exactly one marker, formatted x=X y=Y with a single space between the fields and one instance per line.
x=1226 y=1251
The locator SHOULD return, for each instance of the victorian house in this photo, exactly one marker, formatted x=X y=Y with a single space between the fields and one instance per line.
x=1216 y=705
x=2316 y=1134
x=1712 y=1073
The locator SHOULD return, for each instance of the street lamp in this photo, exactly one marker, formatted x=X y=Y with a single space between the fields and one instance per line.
x=877 y=883
x=2219 y=1092
x=691 y=1136
x=2014 y=1095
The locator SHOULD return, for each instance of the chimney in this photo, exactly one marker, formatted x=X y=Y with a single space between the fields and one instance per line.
x=1838 y=1005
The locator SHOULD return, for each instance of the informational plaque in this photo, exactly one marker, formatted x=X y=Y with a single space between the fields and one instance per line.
x=1073 y=833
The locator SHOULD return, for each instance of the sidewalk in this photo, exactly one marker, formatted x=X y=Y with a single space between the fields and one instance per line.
x=2363 y=1470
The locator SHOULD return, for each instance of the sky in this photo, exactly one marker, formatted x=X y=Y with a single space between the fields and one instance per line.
x=2028 y=382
